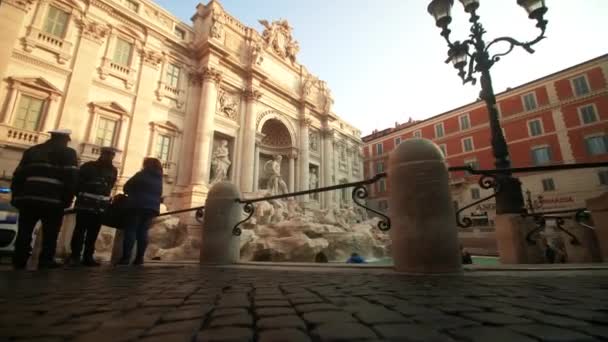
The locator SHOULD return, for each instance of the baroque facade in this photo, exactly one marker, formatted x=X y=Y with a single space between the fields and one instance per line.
x=561 y=118
x=212 y=100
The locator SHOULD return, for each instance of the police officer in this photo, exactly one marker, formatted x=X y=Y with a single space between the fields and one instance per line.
x=95 y=182
x=43 y=185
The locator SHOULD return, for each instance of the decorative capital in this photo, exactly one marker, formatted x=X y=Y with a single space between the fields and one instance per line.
x=252 y=94
x=24 y=5
x=305 y=122
x=195 y=78
x=92 y=30
x=328 y=133
x=151 y=57
x=211 y=74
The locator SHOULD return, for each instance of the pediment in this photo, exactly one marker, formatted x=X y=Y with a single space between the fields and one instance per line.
x=37 y=83
x=110 y=107
x=168 y=125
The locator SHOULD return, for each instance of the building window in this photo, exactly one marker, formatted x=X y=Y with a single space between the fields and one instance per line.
x=464 y=122
x=548 y=184
x=163 y=146
x=397 y=141
x=380 y=167
x=179 y=33
x=467 y=144
x=133 y=5
x=541 y=155
x=535 y=127
x=587 y=114
x=580 y=85
x=596 y=144
x=379 y=150
x=417 y=134
x=475 y=194
x=173 y=73
x=603 y=176
x=106 y=129
x=122 y=52
x=529 y=101
x=439 y=130
x=29 y=113
x=382 y=185
x=56 y=22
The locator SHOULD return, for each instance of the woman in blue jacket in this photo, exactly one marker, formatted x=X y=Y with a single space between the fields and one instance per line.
x=144 y=191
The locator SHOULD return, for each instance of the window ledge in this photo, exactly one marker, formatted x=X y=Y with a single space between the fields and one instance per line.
x=122 y=72
x=35 y=38
x=20 y=138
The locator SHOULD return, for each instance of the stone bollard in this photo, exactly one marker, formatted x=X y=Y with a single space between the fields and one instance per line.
x=222 y=213
x=599 y=213
x=424 y=235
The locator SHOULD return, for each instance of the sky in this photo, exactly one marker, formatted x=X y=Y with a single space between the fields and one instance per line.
x=384 y=59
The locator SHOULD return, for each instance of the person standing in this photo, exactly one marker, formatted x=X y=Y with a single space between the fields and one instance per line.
x=95 y=182
x=43 y=185
x=144 y=191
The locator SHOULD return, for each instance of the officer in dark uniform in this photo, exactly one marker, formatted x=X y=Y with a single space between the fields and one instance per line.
x=95 y=182
x=43 y=185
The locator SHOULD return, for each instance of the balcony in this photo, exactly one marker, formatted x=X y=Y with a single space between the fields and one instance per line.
x=172 y=93
x=38 y=39
x=21 y=138
x=122 y=72
x=91 y=152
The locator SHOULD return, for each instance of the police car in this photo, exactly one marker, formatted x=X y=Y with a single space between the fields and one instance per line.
x=8 y=223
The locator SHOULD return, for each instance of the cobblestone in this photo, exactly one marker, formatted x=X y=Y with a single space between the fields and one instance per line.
x=178 y=303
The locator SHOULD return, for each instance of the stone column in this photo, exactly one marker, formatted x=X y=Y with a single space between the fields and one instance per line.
x=423 y=233
x=187 y=151
x=222 y=212
x=136 y=146
x=248 y=157
x=327 y=165
x=599 y=212
x=256 y=167
x=304 y=157
x=292 y=171
x=12 y=15
x=204 y=126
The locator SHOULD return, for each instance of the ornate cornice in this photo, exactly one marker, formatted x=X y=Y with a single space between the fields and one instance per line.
x=24 y=5
x=93 y=30
x=211 y=74
x=151 y=57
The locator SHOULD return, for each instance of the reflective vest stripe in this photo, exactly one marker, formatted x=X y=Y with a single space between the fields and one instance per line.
x=94 y=196
x=44 y=180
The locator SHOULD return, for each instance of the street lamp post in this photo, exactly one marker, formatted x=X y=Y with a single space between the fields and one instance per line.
x=471 y=56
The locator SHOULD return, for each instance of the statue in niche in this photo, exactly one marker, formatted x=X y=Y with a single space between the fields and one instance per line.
x=220 y=162
x=276 y=185
x=228 y=106
x=313 y=141
x=313 y=182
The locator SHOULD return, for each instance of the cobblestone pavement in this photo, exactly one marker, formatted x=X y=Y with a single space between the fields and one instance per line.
x=188 y=303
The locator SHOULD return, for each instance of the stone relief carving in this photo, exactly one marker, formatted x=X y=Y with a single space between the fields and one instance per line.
x=220 y=162
x=217 y=26
x=277 y=36
x=228 y=105
x=24 y=5
x=151 y=57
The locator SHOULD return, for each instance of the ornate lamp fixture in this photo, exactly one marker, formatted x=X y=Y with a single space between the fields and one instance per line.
x=472 y=56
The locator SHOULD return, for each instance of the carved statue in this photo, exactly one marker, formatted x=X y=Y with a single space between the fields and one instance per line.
x=276 y=185
x=220 y=162
x=257 y=51
x=277 y=35
x=313 y=182
x=216 y=26
x=228 y=105
x=313 y=141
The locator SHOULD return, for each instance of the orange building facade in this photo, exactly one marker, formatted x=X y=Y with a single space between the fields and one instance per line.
x=561 y=118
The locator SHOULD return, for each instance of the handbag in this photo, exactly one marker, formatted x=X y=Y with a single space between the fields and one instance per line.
x=116 y=212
